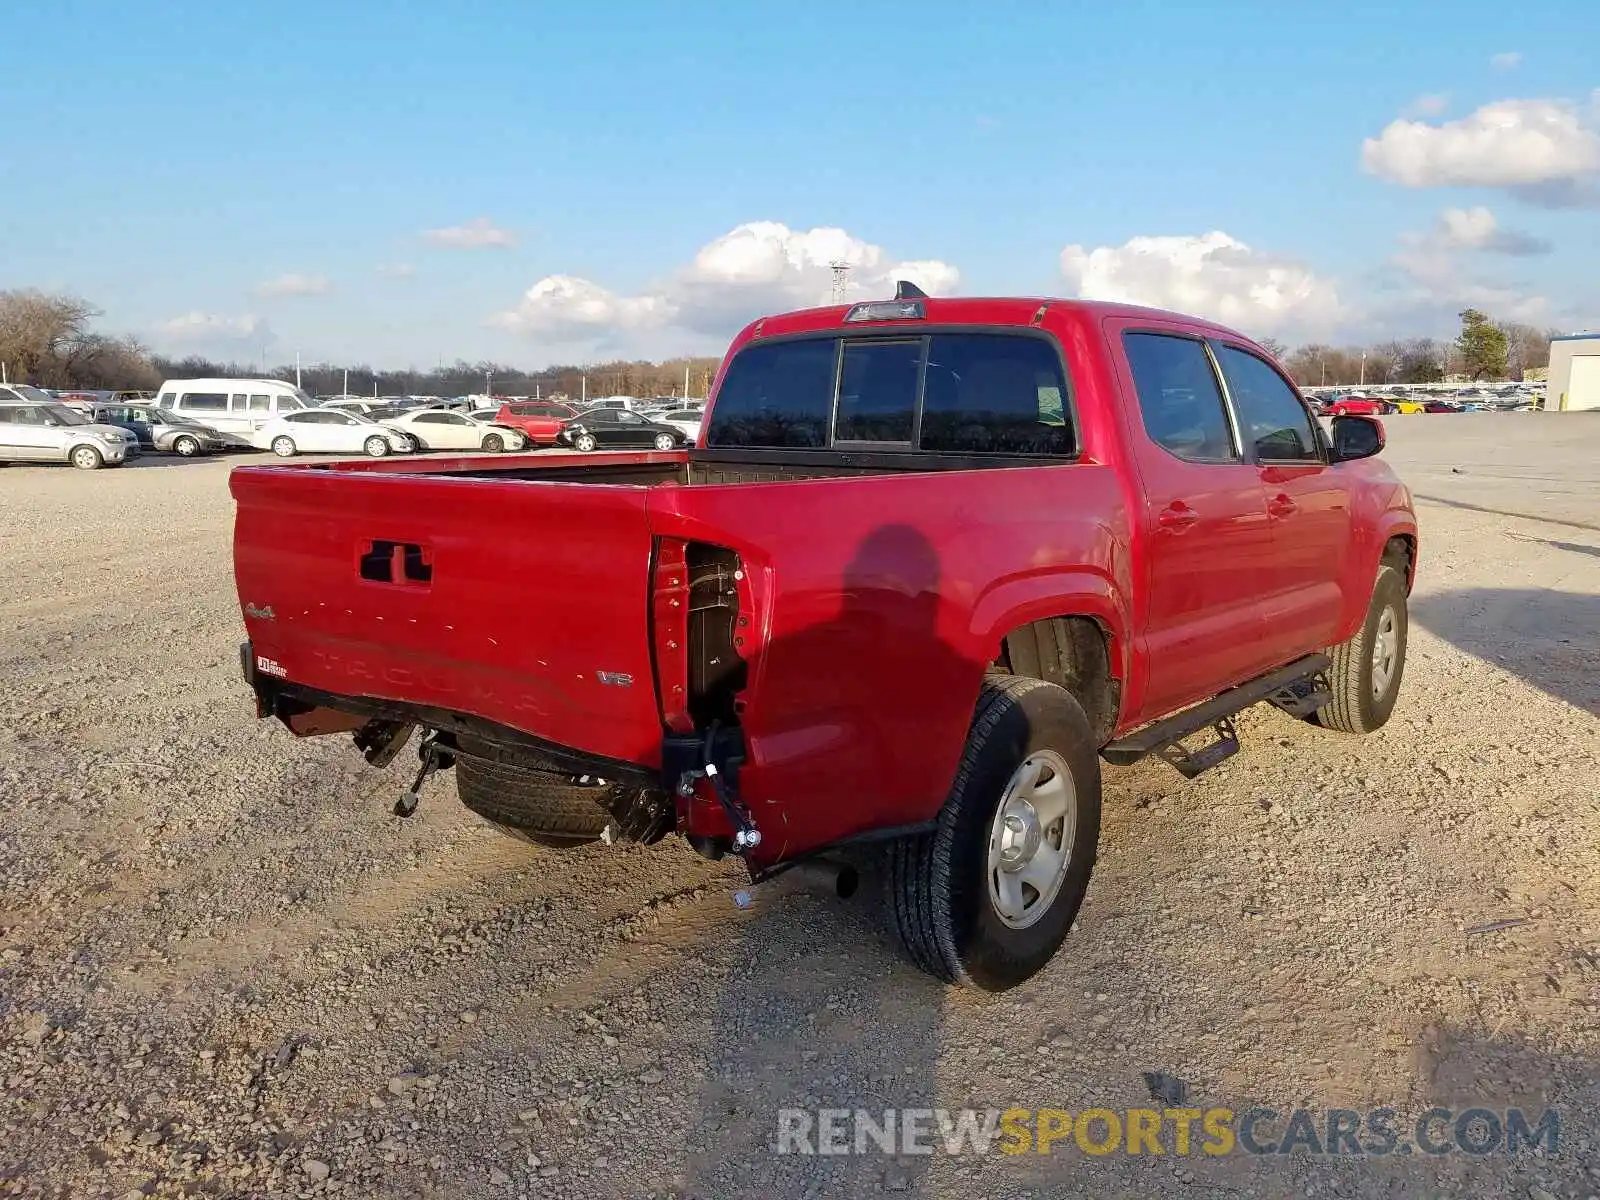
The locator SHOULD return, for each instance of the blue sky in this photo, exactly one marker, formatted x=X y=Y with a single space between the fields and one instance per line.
x=405 y=182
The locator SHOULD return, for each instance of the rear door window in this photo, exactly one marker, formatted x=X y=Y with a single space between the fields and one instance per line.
x=1180 y=402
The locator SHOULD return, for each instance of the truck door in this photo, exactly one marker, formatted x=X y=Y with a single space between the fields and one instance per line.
x=1307 y=506
x=1206 y=536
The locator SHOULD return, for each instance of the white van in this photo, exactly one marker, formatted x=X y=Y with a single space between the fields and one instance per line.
x=240 y=406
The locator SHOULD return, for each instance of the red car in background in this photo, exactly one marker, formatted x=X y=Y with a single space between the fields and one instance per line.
x=541 y=420
x=1358 y=406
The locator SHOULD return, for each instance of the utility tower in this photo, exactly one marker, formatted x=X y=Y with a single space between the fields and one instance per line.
x=841 y=279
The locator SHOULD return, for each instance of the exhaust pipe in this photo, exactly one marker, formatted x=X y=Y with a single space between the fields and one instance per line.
x=826 y=875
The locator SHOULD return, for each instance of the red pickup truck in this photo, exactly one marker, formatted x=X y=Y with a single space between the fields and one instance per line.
x=931 y=562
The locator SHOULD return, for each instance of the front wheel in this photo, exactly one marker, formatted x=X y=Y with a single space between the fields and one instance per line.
x=494 y=443
x=585 y=442
x=283 y=447
x=377 y=447
x=1366 y=670
x=665 y=441
x=87 y=458
x=988 y=897
x=186 y=446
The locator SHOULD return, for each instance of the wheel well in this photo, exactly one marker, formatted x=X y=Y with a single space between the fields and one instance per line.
x=1072 y=652
x=1401 y=551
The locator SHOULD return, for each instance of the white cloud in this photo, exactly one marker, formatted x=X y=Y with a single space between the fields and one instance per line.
x=1214 y=276
x=477 y=234
x=397 y=270
x=759 y=267
x=1430 y=105
x=205 y=327
x=1546 y=150
x=1506 y=60
x=567 y=306
x=1437 y=273
x=1478 y=229
x=285 y=286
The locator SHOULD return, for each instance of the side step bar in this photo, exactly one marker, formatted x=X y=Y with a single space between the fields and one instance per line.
x=1298 y=689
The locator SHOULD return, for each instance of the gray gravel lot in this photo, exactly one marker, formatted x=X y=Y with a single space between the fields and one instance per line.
x=227 y=970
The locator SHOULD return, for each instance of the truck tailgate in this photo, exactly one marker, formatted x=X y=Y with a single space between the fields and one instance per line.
x=523 y=602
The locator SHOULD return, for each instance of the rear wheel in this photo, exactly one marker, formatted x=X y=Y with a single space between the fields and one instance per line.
x=1366 y=670
x=494 y=443
x=186 y=446
x=988 y=897
x=377 y=447
x=284 y=446
x=585 y=442
x=87 y=458
x=538 y=807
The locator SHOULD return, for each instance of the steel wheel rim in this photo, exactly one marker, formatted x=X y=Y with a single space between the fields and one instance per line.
x=1385 y=646
x=1030 y=839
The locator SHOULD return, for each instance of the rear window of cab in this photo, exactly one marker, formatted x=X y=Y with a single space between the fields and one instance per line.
x=961 y=393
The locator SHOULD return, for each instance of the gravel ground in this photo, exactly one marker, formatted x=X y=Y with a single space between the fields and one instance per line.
x=227 y=970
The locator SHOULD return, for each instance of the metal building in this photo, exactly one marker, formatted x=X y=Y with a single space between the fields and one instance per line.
x=1574 y=372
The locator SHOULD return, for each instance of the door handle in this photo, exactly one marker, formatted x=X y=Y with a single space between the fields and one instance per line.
x=1177 y=517
x=1282 y=506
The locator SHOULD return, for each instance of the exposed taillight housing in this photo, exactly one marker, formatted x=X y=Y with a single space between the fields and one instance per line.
x=700 y=629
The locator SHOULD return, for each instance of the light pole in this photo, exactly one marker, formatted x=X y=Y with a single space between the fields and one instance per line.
x=1363 y=368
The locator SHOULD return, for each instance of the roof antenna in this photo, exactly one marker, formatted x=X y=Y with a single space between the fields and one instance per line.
x=904 y=289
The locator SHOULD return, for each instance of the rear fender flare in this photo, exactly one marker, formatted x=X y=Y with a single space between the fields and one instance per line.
x=1014 y=603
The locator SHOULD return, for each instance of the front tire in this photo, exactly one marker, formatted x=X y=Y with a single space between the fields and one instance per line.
x=585 y=442
x=989 y=896
x=665 y=441
x=377 y=447
x=186 y=447
x=494 y=443
x=1366 y=670
x=284 y=447
x=87 y=458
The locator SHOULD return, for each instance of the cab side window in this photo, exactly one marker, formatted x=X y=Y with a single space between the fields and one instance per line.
x=1271 y=417
x=1180 y=401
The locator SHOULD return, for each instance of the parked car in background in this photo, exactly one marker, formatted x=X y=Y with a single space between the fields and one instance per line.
x=446 y=429
x=329 y=431
x=1440 y=406
x=239 y=406
x=1410 y=407
x=541 y=420
x=1357 y=406
x=169 y=432
x=686 y=419
x=610 y=402
x=618 y=429
x=35 y=428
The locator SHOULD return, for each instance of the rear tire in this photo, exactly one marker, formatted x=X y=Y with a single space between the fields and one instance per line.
x=87 y=458
x=538 y=807
x=947 y=889
x=1366 y=671
x=284 y=447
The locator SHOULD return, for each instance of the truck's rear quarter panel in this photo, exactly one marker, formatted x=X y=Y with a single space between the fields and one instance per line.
x=536 y=589
x=881 y=602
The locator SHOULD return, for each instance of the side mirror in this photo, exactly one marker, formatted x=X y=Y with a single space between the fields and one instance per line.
x=1356 y=437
